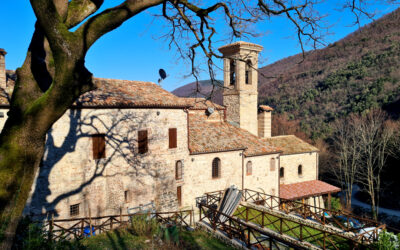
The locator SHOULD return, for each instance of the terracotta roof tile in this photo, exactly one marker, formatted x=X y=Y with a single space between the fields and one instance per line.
x=115 y=93
x=217 y=136
x=123 y=93
x=306 y=189
x=290 y=144
x=266 y=108
x=202 y=103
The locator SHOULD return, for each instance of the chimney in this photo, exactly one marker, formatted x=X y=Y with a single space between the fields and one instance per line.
x=264 y=121
x=3 y=78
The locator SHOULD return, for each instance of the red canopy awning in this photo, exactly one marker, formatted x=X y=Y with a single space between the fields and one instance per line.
x=306 y=189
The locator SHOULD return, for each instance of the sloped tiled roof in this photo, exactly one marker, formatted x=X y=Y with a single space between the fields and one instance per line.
x=123 y=93
x=218 y=136
x=115 y=93
x=202 y=103
x=306 y=189
x=290 y=144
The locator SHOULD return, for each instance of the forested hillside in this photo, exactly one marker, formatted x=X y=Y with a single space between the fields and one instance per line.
x=352 y=75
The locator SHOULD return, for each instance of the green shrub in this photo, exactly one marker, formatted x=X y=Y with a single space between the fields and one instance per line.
x=143 y=225
x=335 y=204
x=387 y=241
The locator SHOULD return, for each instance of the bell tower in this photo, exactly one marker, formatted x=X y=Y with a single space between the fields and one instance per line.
x=240 y=84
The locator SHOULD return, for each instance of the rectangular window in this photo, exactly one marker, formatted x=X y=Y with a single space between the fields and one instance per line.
x=172 y=134
x=99 y=146
x=143 y=141
x=74 y=210
x=179 y=195
x=126 y=196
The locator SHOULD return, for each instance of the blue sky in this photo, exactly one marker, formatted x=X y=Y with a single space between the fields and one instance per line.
x=135 y=52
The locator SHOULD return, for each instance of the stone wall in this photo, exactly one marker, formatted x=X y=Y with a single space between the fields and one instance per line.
x=3 y=119
x=69 y=174
x=3 y=79
x=290 y=163
x=198 y=177
x=262 y=178
x=248 y=111
x=264 y=124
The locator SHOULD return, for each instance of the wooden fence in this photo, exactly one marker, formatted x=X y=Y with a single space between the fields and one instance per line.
x=359 y=230
x=340 y=219
x=78 y=228
x=251 y=236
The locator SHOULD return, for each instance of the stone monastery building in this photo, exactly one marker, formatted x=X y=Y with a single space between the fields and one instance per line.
x=130 y=143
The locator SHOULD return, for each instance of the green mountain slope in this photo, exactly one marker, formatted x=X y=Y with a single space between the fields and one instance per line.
x=357 y=73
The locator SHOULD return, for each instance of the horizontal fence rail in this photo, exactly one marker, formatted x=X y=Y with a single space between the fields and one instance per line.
x=79 y=228
x=340 y=219
x=363 y=230
x=250 y=235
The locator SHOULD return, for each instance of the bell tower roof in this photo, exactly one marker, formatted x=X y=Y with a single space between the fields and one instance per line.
x=237 y=46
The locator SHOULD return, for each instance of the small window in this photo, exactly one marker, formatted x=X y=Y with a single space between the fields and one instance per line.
x=300 y=170
x=272 y=164
x=248 y=71
x=179 y=195
x=282 y=172
x=99 y=146
x=249 y=168
x=172 y=138
x=178 y=170
x=232 y=67
x=143 y=141
x=127 y=196
x=74 y=210
x=216 y=168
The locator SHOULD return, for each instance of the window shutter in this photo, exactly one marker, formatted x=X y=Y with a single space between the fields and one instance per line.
x=95 y=147
x=172 y=138
x=179 y=195
x=99 y=146
x=142 y=141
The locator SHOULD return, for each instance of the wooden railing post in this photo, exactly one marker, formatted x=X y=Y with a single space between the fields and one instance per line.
x=90 y=223
x=262 y=219
x=82 y=226
x=200 y=208
x=51 y=225
x=280 y=226
x=301 y=232
x=120 y=216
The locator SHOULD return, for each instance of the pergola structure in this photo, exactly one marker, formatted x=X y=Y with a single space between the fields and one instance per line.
x=307 y=189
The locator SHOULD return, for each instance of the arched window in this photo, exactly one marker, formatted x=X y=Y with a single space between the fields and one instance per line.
x=282 y=172
x=178 y=170
x=300 y=170
x=216 y=168
x=249 y=168
x=232 y=68
x=272 y=164
x=249 y=67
